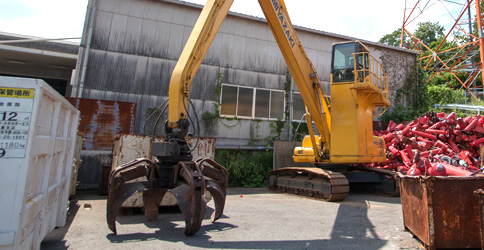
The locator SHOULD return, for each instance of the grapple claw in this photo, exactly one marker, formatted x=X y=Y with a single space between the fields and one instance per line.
x=219 y=199
x=216 y=184
x=192 y=210
x=151 y=201
x=116 y=199
x=119 y=189
x=189 y=196
x=186 y=180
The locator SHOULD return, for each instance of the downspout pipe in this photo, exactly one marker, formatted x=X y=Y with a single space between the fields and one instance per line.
x=243 y=148
x=85 y=59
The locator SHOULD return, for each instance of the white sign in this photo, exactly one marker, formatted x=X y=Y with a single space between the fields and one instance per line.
x=15 y=118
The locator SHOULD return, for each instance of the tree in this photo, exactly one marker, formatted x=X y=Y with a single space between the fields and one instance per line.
x=429 y=32
x=394 y=38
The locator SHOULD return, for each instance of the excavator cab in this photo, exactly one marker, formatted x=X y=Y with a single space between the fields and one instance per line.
x=359 y=92
x=350 y=60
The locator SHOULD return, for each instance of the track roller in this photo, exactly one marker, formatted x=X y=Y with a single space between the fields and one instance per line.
x=311 y=182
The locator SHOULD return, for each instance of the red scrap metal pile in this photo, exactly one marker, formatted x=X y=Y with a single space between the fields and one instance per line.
x=434 y=144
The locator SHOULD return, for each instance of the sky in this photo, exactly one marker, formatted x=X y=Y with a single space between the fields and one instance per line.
x=367 y=20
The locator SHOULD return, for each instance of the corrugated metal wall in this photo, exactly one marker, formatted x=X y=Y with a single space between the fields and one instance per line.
x=102 y=120
x=135 y=44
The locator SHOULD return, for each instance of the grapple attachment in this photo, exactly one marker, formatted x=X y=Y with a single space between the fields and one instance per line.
x=186 y=180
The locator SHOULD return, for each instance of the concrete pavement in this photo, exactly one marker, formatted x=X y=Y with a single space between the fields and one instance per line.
x=253 y=219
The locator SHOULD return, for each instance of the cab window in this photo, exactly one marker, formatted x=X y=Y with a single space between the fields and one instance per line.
x=343 y=62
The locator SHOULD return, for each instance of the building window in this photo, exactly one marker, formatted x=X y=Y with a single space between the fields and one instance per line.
x=252 y=102
x=229 y=100
x=245 y=101
x=277 y=105
x=262 y=100
x=298 y=107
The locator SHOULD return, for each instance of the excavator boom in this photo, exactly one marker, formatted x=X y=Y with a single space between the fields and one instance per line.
x=301 y=68
x=198 y=43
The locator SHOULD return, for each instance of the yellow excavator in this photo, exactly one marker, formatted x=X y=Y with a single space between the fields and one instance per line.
x=359 y=91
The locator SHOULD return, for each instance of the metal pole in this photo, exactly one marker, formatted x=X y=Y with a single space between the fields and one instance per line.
x=479 y=30
x=92 y=16
x=291 y=108
x=471 y=39
x=470 y=23
x=37 y=40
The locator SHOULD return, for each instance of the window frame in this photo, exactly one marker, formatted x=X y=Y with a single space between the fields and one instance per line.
x=254 y=93
x=294 y=119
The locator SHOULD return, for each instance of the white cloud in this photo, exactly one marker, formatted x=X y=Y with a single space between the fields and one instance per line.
x=369 y=20
x=48 y=18
x=354 y=18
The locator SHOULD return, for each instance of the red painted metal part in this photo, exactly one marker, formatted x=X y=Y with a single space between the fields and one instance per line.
x=435 y=137
x=452 y=63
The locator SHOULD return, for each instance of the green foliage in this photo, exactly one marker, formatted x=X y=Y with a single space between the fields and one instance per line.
x=429 y=32
x=443 y=94
x=207 y=116
x=401 y=114
x=218 y=91
x=411 y=100
x=394 y=38
x=246 y=169
x=276 y=131
x=299 y=130
x=218 y=85
x=478 y=102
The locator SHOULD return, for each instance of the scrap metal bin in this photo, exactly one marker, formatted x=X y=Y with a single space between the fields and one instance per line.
x=480 y=194
x=38 y=129
x=442 y=211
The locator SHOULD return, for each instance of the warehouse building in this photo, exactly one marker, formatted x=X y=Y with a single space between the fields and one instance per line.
x=33 y=57
x=243 y=92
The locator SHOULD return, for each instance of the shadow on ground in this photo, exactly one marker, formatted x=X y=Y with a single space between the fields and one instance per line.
x=352 y=230
x=55 y=239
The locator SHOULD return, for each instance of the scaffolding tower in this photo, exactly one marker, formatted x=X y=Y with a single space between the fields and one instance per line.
x=462 y=60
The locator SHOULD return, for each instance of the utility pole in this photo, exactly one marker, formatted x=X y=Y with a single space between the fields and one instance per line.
x=479 y=31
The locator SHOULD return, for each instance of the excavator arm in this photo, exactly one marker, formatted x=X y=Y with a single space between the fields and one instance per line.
x=198 y=43
x=303 y=72
x=301 y=68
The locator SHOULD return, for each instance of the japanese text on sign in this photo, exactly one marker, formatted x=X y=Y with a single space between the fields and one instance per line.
x=15 y=118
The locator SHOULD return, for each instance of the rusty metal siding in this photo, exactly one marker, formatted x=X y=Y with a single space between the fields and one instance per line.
x=102 y=120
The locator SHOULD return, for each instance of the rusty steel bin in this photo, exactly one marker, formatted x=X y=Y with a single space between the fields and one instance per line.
x=442 y=211
x=480 y=195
